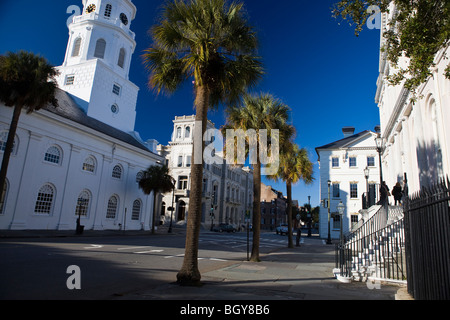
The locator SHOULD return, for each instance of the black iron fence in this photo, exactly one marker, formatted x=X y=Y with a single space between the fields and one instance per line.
x=376 y=249
x=427 y=230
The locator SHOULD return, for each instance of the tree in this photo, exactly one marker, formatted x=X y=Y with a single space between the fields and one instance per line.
x=26 y=81
x=418 y=30
x=257 y=112
x=156 y=179
x=211 y=43
x=294 y=166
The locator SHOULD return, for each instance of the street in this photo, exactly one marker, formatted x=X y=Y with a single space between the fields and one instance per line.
x=111 y=266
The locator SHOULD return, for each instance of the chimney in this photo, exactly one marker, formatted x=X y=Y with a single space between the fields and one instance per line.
x=348 y=131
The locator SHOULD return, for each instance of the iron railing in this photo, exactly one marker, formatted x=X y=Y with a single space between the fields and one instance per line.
x=427 y=222
x=376 y=249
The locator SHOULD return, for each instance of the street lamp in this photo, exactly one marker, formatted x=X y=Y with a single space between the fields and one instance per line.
x=329 y=233
x=366 y=175
x=341 y=209
x=379 y=143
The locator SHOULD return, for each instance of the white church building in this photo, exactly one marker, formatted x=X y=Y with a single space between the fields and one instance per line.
x=416 y=135
x=83 y=159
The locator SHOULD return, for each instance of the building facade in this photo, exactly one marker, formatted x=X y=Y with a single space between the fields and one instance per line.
x=83 y=160
x=416 y=135
x=273 y=208
x=342 y=179
x=227 y=189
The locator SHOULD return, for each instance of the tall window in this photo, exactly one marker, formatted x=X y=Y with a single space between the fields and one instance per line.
x=100 y=48
x=89 y=165
x=352 y=162
x=180 y=161
x=335 y=162
x=53 y=155
x=182 y=183
x=179 y=132
x=111 y=210
x=3 y=139
x=371 y=161
x=44 y=200
x=76 y=47
x=108 y=10
x=83 y=204
x=353 y=190
x=187 y=132
x=136 y=213
x=121 y=60
x=336 y=190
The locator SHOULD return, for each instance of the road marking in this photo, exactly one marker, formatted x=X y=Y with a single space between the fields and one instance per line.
x=94 y=246
x=150 y=251
x=130 y=248
x=216 y=259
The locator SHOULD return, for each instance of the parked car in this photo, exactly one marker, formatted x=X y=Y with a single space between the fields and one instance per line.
x=225 y=227
x=282 y=229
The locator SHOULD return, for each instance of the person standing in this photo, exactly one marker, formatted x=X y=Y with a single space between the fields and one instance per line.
x=397 y=193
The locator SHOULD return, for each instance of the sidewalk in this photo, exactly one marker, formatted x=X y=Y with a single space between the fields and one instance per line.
x=301 y=273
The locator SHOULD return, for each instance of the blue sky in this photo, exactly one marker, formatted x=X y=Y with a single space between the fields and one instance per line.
x=313 y=63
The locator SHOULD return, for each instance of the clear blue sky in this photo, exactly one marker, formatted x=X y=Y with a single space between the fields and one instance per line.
x=313 y=63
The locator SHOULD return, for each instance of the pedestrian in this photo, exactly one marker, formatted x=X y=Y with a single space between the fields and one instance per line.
x=300 y=223
x=397 y=193
x=384 y=194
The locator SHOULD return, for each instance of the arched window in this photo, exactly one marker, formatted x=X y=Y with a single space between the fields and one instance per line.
x=179 y=132
x=3 y=139
x=139 y=176
x=44 y=200
x=117 y=172
x=89 y=164
x=53 y=155
x=108 y=10
x=3 y=196
x=83 y=200
x=100 y=48
x=187 y=132
x=121 y=60
x=136 y=213
x=76 y=47
x=111 y=210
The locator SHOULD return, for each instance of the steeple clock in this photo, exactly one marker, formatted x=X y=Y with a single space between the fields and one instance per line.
x=97 y=62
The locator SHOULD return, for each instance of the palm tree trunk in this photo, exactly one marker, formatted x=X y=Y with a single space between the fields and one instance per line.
x=154 y=211
x=256 y=210
x=9 y=144
x=289 y=213
x=189 y=273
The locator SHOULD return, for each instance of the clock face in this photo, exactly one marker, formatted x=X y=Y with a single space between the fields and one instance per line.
x=123 y=18
x=91 y=8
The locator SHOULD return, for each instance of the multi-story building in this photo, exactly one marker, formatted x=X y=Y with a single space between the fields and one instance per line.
x=227 y=189
x=416 y=134
x=343 y=178
x=273 y=208
x=83 y=160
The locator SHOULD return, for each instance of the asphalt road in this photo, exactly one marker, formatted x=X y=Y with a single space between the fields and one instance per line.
x=108 y=267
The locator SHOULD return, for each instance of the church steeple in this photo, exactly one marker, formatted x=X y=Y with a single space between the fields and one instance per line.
x=97 y=62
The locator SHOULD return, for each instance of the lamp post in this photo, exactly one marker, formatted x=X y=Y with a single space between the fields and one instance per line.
x=171 y=211
x=366 y=175
x=341 y=209
x=379 y=143
x=329 y=233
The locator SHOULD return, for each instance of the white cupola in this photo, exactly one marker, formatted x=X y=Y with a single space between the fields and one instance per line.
x=97 y=62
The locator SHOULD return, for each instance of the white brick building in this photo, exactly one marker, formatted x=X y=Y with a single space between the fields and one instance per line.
x=342 y=163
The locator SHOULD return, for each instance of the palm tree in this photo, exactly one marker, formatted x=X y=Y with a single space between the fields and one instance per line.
x=26 y=81
x=294 y=166
x=210 y=43
x=156 y=179
x=257 y=113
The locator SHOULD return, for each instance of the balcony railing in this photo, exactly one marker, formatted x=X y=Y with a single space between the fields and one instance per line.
x=98 y=17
